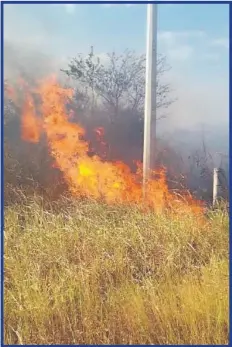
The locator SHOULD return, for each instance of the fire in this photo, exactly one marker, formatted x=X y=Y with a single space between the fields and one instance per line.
x=30 y=126
x=90 y=176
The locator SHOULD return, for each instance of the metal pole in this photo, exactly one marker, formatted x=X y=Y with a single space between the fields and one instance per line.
x=215 y=185
x=150 y=93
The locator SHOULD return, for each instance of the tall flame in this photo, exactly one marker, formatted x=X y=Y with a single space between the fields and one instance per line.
x=31 y=126
x=90 y=176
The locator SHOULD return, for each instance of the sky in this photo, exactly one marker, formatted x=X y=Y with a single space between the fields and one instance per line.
x=194 y=39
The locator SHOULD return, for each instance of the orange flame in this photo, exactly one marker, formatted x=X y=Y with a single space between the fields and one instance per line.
x=92 y=177
x=30 y=126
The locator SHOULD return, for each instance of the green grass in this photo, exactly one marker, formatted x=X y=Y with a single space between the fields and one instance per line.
x=87 y=273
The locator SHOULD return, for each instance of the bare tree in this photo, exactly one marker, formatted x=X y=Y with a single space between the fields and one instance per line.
x=119 y=82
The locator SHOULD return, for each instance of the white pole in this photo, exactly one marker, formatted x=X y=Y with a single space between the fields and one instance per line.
x=150 y=92
x=218 y=186
x=215 y=186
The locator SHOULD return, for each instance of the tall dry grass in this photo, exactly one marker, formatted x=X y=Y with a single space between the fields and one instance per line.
x=87 y=273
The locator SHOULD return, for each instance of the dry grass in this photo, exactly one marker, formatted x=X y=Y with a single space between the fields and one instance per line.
x=94 y=274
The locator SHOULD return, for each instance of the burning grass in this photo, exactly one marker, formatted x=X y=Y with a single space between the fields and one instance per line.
x=107 y=267
x=90 y=273
x=86 y=176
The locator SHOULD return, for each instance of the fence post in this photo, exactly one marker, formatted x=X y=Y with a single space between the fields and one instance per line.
x=215 y=185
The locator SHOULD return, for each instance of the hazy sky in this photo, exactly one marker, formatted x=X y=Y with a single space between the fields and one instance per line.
x=195 y=39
